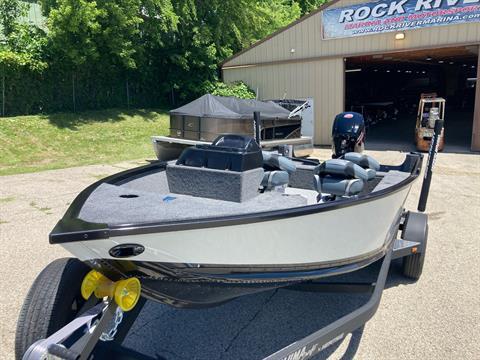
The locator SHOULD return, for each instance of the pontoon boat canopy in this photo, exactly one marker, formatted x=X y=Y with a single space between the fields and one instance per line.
x=231 y=107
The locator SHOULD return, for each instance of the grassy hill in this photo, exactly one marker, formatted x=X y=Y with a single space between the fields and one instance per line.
x=41 y=142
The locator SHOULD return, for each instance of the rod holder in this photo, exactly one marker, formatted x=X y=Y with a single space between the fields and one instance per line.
x=432 y=156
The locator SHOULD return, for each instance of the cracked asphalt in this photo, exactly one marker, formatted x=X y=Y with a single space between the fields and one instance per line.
x=436 y=318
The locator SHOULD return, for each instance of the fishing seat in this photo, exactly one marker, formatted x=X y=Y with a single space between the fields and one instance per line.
x=368 y=163
x=272 y=179
x=282 y=168
x=340 y=177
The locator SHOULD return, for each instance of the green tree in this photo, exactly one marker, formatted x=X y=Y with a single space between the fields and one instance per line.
x=10 y=12
x=208 y=32
x=86 y=31
x=21 y=44
x=237 y=89
x=309 y=5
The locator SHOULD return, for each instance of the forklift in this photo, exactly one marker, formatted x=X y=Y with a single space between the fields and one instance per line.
x=430 y=108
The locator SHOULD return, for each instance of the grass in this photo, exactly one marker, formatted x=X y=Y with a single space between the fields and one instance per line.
x=43 y=142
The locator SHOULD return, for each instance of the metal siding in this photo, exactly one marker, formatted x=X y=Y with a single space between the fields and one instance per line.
x=305 y=37
x=327 y=84
x=321 y=80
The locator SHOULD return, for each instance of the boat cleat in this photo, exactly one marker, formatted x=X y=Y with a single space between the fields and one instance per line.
x=126 y=292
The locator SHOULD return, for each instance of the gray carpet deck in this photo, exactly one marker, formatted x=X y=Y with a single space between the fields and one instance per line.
x=147 y=199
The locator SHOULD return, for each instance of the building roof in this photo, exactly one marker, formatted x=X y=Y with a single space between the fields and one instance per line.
x=275 y=33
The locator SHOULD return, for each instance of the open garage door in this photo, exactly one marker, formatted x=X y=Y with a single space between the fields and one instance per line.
x=386 y=88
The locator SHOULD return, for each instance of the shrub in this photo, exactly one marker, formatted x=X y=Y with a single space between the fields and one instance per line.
x=238 y=89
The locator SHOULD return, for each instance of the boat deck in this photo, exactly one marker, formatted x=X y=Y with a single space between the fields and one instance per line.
x=147 y=199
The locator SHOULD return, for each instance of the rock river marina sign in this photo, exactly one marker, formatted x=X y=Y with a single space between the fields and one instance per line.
x=396 y=15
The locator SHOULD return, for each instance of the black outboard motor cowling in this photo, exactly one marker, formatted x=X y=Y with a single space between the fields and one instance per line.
x=348 y=133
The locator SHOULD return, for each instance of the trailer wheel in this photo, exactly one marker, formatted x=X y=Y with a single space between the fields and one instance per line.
x=52 y=302
x=415 y=229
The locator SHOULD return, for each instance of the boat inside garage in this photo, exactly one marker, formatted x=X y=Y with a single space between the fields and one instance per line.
x=386 y=89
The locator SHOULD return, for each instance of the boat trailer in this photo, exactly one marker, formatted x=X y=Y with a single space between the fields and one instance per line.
x=100 y=323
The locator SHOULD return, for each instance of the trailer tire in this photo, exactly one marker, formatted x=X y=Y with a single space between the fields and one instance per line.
x=415 y=229
x=53 y=301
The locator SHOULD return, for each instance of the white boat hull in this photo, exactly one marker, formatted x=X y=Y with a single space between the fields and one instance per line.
x=349 y=232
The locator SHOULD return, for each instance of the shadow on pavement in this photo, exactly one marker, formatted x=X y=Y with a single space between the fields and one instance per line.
x=251 y=327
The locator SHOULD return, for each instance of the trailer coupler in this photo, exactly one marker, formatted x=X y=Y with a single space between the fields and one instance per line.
x=77 y=339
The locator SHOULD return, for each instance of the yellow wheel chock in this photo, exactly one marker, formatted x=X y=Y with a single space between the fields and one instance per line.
x=126 y=293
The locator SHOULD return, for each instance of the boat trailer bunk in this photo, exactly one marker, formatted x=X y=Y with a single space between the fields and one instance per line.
x=101 y=322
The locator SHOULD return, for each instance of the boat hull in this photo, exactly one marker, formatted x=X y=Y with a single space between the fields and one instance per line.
x=210 y=260
x=331 y=236
x=206 y=267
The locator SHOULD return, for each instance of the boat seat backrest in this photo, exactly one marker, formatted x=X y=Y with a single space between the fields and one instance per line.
x=342 y=169
x=367 y=162
x=272 y=179
x=279 y=162
x=340 y=178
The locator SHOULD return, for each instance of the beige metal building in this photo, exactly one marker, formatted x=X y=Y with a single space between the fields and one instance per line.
x=355 y=72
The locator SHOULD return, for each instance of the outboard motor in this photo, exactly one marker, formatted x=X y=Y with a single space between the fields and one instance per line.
x=348 y=133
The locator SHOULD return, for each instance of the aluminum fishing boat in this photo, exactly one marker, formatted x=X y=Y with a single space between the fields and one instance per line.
x=227 y=219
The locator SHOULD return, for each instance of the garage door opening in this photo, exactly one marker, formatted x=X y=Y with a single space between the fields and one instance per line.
x=386 y=89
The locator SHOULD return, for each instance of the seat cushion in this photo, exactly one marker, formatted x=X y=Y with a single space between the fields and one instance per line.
x=338 y=186
x=342 y=169
x=365 y=161
x=273 y=179
x=278 y=162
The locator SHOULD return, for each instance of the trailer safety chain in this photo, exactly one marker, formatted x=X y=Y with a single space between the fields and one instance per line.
x=116 y=321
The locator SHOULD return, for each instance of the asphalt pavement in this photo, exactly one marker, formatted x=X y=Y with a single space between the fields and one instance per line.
x=437 y=317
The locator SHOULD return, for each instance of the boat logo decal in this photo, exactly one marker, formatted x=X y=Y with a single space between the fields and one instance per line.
x=309 y=350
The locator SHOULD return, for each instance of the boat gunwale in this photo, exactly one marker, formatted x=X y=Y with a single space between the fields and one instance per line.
x=72 y=229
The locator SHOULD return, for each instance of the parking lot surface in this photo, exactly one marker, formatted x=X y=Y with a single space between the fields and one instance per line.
x=437 y=317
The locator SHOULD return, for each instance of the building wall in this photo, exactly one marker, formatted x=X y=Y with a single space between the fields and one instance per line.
x=316 y=67
x=306 y=38
x=322 y=80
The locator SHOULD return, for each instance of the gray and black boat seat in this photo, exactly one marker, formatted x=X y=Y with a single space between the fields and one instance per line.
x=280 y=177
x=277 y=161
x=340 y=178
x=365 y=161
x=273 y=179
